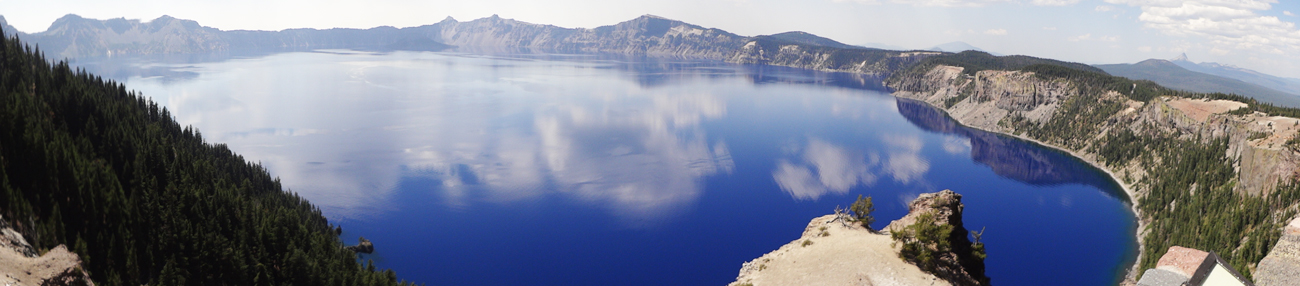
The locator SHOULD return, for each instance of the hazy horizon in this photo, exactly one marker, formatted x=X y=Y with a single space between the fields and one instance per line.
x=1253 y=34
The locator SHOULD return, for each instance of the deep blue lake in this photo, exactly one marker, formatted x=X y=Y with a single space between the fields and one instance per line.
x=469 y=169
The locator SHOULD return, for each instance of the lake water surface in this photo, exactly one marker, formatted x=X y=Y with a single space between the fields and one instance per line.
x=587 y=170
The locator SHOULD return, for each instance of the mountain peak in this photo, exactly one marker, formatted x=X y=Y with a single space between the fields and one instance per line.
x=1181 y=57
x=1156 y=63
x=649 y=16
x=66 y=21
x=449 y=19
x=70 y=16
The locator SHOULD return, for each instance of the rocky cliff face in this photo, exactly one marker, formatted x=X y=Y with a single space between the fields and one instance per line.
x=835 y=251
x=958 y=266
x=986 y=100
x=20 y=264
x=1282 y=265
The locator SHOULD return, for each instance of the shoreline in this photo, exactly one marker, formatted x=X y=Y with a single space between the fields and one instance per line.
x=1128 y=189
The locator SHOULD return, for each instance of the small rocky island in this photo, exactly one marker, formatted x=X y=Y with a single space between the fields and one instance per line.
x=363 y=246
x=837 y=250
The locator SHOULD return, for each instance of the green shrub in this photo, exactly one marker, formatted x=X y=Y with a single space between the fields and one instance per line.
x=862 y=209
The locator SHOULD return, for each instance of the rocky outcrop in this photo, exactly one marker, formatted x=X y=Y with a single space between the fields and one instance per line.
x=958 y=265
x=363 y=246
x=20 y=264
x=1282 y=265
x=835 y=251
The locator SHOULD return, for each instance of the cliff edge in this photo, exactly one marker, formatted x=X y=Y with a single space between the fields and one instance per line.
x=20 y=264
x=835 y=251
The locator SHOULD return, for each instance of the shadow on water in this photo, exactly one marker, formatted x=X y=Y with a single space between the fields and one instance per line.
x=1011 y=157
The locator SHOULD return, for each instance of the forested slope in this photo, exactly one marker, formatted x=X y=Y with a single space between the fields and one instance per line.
x=143 y=200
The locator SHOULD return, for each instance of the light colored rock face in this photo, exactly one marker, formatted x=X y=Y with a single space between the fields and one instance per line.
x=839 y=254
x=991 y=96
x=945 y=206
x=1261 y=163
x=1282 y=265
x=20 y=265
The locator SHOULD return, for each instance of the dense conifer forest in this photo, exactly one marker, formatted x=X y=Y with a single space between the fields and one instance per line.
x=144 y=200
x=1190 y=199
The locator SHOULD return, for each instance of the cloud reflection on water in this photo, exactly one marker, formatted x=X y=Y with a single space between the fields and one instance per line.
x=641 y=154
x=457 y=126
x=823 y=168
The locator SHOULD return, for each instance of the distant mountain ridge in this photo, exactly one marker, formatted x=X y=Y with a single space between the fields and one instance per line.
x=75 y=37
x=1173 y=75
x=810 y=39
x=1288 y=85
x=957 y=47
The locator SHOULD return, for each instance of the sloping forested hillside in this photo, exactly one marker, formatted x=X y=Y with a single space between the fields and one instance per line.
x=143 y=200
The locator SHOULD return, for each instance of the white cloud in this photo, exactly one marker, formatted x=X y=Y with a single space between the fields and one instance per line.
x=996 y=32
x=965 y=3
x=1049 y=28
x=1144 y=49
x=1104 y=8
x=1227 y=25
x=1288 y=13
x=1054 y=2
x=1089 y=37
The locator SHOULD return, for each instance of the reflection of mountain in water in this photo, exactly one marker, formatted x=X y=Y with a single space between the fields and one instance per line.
x=1011 y=157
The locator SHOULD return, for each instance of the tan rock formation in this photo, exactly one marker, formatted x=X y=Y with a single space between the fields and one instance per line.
x=835 y=251
x=19 y=264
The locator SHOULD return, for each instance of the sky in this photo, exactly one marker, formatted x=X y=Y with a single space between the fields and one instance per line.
x=1254 y=34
